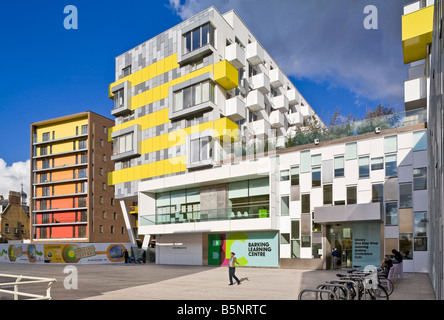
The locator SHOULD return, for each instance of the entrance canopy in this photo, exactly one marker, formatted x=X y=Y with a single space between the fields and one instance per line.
x=348 y=213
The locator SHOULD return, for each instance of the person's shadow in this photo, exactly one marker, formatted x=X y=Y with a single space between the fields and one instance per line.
x=243 y=279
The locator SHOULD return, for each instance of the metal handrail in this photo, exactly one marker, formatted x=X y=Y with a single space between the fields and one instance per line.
x=32 y=280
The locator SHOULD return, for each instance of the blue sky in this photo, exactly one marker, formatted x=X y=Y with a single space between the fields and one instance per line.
x=48 y=71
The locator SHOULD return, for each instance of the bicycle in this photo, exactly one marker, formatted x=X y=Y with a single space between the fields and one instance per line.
x=383 y=280
x=362 y=284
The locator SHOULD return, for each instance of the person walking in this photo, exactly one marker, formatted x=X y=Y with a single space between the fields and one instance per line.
x=336 y=256
x=126 y=256
x=232 y=269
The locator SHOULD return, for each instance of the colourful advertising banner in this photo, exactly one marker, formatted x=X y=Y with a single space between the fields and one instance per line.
x=81 y=253
x=251 y=249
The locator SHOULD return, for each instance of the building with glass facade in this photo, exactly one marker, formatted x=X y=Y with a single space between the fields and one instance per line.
x=210 y=142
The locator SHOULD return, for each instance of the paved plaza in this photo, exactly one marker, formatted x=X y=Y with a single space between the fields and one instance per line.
x=169 y=282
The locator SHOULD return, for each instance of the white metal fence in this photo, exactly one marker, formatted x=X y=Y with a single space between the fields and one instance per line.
x=19 y=280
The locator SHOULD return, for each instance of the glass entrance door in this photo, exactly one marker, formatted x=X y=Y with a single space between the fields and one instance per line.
x=340 y=237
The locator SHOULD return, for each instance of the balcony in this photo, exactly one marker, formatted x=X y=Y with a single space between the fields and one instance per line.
x=277 y=119
x=255 y=100
x=255 y=53
x=122 y=100
x=417 y=30
x=305 y=111
x=259 y=128
x=276 y=78
x=251 y=212
x=280 y=103
x=261 y=82
x=294 y=97
x=235 y=55
x=226 y=75
x=295 y=119
x=235 y=109
x=134 y=209
x=415 y=93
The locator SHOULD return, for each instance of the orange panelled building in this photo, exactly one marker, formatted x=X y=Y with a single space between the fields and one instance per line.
x=70 y=196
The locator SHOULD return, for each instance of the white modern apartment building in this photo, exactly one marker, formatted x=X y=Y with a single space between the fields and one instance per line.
x=211 y=146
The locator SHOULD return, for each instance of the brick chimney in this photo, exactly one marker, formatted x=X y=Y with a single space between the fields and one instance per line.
x=14 y=198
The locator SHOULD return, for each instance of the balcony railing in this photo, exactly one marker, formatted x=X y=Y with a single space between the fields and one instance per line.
x=241 y=147
x=250 y=212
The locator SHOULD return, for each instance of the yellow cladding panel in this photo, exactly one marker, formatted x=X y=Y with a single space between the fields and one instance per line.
x=62 y=129
x=148 y=170
x=417 y=32
x=149 y=72
x=162 y=91
x=226 y=130
x=226 y=75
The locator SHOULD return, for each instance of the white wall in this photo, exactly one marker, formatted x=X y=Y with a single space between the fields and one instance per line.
x=183 y=249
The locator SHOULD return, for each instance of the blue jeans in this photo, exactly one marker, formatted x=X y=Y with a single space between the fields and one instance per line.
x=231 y=271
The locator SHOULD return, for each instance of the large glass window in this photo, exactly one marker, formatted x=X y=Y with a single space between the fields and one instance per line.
x=420 y=140
x=406 y=245
x=391 y=166
x=198 y=37
x=364 y=170
x=351 y=195
x=305 y=203
x=377 y=192
x=285 y=205
x=328 y=194
x=339 y=166
x=123 y=143
x=377 y=163
x=405 y=195
x=193 y=95
x=316 y=177
x=249 y=198
x=420 y=179
x=119 y=97
x=391 y=214
x=294 y=172
x=295 y=239
x=420 y=231
x=178 y=206
x=200 y=149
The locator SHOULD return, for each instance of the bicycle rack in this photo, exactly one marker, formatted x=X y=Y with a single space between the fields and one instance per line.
x=328 y=284
x=330 y=292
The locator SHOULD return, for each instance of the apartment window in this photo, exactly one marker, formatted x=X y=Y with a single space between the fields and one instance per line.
x=391 y=213
x=420 y=179
x=119 y=97
x=420 y=140
x=45 y=164
x=112 y=229
x=82 y=173
x=378 y=192
x=391 y=166
x=193 y=95
x=377 y=163
x=82 y=202
x=200 y=149
x=126 y=71
x=85 y=129
x=123 y=143
x=364 y=170
x=405 y=195
x=351 y=195
x=305 y=161
x=285 y=205
x=115 y=216
x=328 y=194
x=101 y=200
x=305 y=203
x=103 y=214
x=101 y=171
x=101 y=142
x=43 y=177
x=45 y=136
x=285 y=175
x=339 y=166
x=43 y=151
x=45 y=191
x=104 y=186
x=316 y=177
x=295 y=239
x=294 y=171
x=82 y=144
x=101 y=229
x=198 y=38
x=123 y=230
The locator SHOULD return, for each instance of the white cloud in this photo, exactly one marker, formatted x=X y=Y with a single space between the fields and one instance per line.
x=325 y=41
x=11 y=177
